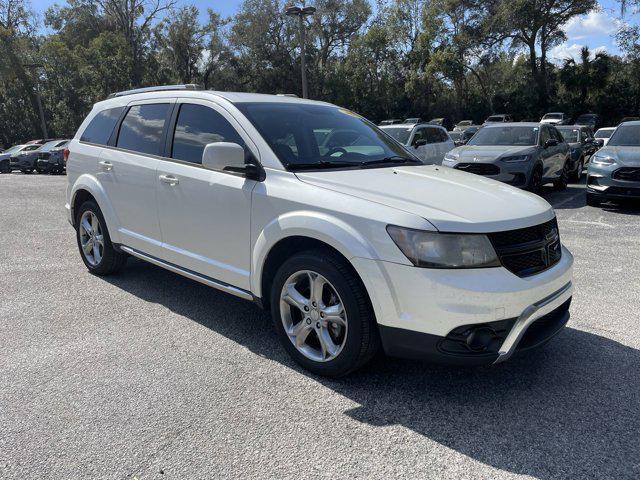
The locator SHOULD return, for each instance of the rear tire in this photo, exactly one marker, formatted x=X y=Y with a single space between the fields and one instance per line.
x=94 y=242
x=577 y=174
x=350 y=336
x=562 y=182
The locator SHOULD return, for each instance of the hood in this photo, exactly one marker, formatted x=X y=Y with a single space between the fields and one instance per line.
x=481 y=153
x=626 y=156
x=452 y=201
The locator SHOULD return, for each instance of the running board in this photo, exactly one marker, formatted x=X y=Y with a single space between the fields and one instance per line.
x=238 y=292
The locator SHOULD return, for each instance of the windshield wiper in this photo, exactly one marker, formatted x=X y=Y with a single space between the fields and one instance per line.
x=322 y=164
x=396 y=159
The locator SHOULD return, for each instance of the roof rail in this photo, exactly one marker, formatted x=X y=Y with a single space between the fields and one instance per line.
x=160 y=88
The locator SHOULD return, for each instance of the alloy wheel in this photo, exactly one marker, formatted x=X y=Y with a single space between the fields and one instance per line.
x=91 y=238
x=313 y=316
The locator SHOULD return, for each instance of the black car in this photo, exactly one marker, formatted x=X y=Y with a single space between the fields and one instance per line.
x=592 y=120
x=26 y=160
x=582 y=145
x=52 y=160
x=468 y=133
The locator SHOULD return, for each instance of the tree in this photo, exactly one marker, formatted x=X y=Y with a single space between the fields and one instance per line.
x=581 y=79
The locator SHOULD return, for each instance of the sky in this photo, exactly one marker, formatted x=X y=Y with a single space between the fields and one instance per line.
x=594 y=30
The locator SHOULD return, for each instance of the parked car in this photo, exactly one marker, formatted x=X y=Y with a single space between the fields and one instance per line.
x=556 y=118
x=458 y=137
x=26 y=160
x=602 y=136
x=498 y=119
x=462 y=125
x=525 y=155
x=412 y=120
x=470 y=132
x=428 y=142
x=391 y=121
x=21 y=158
x=5 y=165
x=444 y=122
x=629 y=119
x=582 y=146
x=51 y=157
x=591 y=120
x=614 y=170
x=343 y=246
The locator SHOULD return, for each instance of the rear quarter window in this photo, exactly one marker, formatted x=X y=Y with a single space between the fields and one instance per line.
x=101 y=126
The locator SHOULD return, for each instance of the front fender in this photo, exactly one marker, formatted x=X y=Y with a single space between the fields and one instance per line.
x=94 y=187
x=319 y=226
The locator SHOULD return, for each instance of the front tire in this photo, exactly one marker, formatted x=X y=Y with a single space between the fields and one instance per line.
x=94 y=243
x=535 y=181
x=322 y=314
x=577 y=174
x=593 y=200
x=562 y=182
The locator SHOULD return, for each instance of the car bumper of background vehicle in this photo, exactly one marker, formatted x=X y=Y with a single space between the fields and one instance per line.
x=512 y=174
x=422 y=312
x=601 y=184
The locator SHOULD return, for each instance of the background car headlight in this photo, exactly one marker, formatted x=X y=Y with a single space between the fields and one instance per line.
x=451 y=158
x=444 y=250
x=515 y=158
x=603 y=160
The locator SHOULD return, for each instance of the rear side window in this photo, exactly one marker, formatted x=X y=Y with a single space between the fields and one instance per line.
x=433 y=135
x=196 y=127
x=142 y=127
x=101 y=126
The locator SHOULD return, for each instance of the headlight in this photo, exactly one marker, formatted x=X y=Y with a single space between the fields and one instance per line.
x=515 y=158
x=603 y=160
x=450 y=157
x=444 y=250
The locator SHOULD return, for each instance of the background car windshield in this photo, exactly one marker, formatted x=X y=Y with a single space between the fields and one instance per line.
x=626 y=136
x=494 y=119
x=313 y=134
x=553 y=116
x=571 y=135
x=603 y=133
x=400 y=134
x=50 y=145
x=13 y=149
x=524 y=136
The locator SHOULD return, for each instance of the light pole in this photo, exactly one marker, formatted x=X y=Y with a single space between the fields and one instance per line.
x=302 y=12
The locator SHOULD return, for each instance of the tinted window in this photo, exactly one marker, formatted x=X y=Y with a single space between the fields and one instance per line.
x=505 y=136
x=420 y=134
x=141 y=129
x=603 y=133
x=289 y=130
x=433 y=135
x=196 y=127
x=569 y=134
x=101 y=126
x=626 y=136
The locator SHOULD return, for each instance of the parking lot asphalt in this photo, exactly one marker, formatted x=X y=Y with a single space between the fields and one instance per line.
x=149 y=375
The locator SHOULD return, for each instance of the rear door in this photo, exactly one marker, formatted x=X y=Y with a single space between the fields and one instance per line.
x=128 y=172
x=204 y=215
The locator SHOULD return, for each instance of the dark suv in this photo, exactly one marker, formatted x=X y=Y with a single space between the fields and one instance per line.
x=25 y=161
x=582 y=144
x=51 y=160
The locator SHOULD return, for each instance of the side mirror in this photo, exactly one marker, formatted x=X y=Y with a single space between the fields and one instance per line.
x=552 y=142
x=589 y=139
x=598 y=141
x=419 y=143
x=229 y=157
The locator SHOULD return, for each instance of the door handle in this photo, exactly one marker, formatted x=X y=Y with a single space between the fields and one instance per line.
x=170 y=179
x=105 y=165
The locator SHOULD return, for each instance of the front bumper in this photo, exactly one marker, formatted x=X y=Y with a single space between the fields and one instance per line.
x=422 y=313
x=601 y=184
x=516 y=173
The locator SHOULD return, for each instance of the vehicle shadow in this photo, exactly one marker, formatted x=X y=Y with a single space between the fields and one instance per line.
x=573 y=197
x=568 y=410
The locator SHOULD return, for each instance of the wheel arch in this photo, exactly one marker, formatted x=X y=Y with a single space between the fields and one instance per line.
x=86 y=188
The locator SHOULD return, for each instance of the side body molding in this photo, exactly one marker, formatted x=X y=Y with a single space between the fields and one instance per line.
x=304 y=223
x=90 y=184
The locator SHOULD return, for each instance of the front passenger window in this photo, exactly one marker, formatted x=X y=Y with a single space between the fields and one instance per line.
x=196 y=127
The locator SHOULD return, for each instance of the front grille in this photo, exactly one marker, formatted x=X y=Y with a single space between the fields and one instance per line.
x=479 y=168
x=527 y=251
x=627 y=173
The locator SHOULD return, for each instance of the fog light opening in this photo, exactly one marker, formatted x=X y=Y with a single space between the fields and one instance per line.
x=479 y=339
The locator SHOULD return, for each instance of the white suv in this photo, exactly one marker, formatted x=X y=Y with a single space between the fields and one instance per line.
x=311 y=211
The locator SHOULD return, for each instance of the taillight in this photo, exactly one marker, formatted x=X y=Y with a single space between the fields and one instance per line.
x=65 y=154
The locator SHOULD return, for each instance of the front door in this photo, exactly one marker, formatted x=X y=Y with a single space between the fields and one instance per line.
x=205 y=215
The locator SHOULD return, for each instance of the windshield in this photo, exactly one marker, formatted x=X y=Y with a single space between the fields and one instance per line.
x=523 y=136
x=322 y=136
x=399 y=134
x=586 y=118
x=14 y=149
x=553 y=116
x=570 y=135
x=603 y=133
x=51 y=145
x=455 y=135
x=626 y=136
x=495 y=118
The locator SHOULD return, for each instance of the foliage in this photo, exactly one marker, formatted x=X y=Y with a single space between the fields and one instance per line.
x=461 y=59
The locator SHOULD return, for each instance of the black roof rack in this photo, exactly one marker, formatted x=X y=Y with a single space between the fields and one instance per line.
x=160 y=88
